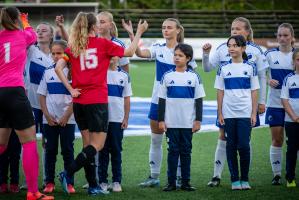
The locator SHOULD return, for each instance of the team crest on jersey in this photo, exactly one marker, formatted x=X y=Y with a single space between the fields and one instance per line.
x=228 y=74
x=40 y=58
x=189 y=82
x=171 y=82
x=249 y=56
x=245 y=73
x=294 y=84
x=276 y=63
x=227 y=55
x=161 y=55
x=121 y=81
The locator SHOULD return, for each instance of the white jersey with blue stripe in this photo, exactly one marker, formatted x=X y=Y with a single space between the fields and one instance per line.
x=280 y=65
x=119 y=86
x=237 y=80
x=180 y=89
x=290 y=91
x=36 y=64
x=124 y=60
x=164 y=62
x=58 y=98
x=254 y=53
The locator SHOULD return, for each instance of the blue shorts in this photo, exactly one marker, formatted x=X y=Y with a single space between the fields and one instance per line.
x=275 y=117
x=153 y=113
x=257 y=124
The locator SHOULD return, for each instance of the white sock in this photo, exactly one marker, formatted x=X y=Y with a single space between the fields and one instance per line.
x=155 y=154
x=178 y=171
x=220 y=157
x=275 y=159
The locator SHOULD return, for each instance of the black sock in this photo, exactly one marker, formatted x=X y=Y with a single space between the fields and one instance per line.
x=82 y=159
x=90 y=173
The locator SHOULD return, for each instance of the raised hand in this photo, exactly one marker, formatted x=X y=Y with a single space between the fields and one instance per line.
x=142 y=26
x=59 y=20
x=206 y=48
x=24 y=20
x=128 y=26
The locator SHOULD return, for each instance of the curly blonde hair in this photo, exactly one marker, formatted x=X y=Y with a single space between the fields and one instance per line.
x=80 y=28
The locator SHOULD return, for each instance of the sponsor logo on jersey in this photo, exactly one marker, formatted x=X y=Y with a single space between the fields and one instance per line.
x=276 y=63
x=294 y=84
x=171 y=82
x=228 y=74
x=52 y=78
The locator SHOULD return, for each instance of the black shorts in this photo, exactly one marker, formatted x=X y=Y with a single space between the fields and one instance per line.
x=92 y=117
x=15 y=109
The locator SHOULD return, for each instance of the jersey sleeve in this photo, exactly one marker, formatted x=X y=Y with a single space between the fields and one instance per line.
x=262 y=62
x=30 y=36
x=214 y=59
x=193 y=63
x=153 y=50
x=162 y=88
x=127 y=88
x=199 y=89
x=219 y=81
x=285 y=90
x=42 y=88
x=254 y=79
x=124 y=61
x=113 y=49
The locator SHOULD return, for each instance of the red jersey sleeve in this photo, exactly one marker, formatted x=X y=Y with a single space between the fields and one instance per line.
x=30 y=36
x=114 y=49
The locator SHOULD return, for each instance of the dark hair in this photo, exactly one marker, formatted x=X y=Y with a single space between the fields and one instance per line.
x=186 y=49
x=9 y=16
x=241 y=42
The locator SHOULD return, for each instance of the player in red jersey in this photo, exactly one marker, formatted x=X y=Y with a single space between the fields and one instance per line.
x=89 y=57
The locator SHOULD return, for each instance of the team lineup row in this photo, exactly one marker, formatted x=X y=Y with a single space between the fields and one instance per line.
x=95 y=62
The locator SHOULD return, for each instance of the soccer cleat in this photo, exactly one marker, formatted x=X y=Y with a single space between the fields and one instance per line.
x=215 y=182
x=188 y=187
x=178 y=182
x=116 y=187
x=104 y=186
x=49 y=188
x=169 y=188
x=96 y=191
x=62 y=177
x=276 y=180
x=38 y=196
x=71 y=189
x=245 y=185
x=3 y=188
x=85 y=186
x=236 y=185
x=291 y=183
x=14 y=188
x=150 y=182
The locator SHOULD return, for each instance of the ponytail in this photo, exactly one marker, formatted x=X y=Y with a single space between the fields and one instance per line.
x=9 y=17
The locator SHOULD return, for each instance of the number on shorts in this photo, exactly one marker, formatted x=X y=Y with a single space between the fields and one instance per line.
x=89 y=59
x=7 y=52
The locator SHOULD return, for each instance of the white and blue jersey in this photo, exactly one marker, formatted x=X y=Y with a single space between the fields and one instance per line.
x=119 y=86
x=254 y=53
x=290 y=91
x=58 y=98
x=237 y=80
x=280 y=65
x=124 y=60
x=180 y=89
x=36 y=64
x=164 y=62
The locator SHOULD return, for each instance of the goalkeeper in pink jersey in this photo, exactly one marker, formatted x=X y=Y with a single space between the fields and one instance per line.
x=15 y=109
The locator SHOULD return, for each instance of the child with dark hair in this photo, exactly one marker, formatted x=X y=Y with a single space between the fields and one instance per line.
x=237 y=85
x=180 y=114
